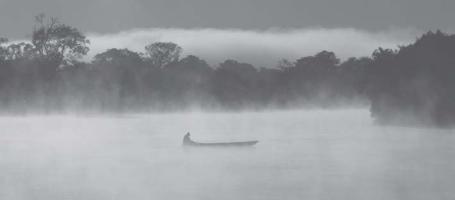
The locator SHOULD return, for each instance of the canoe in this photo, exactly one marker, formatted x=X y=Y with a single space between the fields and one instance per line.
x=221 y=144
x=188 y=142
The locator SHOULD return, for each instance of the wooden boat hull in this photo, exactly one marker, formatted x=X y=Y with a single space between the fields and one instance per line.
x=222 y=144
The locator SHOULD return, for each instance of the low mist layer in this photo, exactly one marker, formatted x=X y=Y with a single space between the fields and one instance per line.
x=300 y=155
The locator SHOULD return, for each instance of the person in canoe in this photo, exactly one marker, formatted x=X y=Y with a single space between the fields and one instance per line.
x=187 y=139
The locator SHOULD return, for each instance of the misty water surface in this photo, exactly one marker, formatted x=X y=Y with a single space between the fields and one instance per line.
x=301 y=155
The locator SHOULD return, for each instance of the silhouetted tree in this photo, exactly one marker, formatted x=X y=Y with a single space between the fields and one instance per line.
x=160 y=54
x=119 y=73
x=414 y=84
x=3 y=50
x=19 y=51
x=310 y=79
x=58 y=41
x=352 y=78
x=187 y=82
x=234 y=84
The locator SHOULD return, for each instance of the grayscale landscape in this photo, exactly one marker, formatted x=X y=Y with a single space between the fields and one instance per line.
x=227 y=100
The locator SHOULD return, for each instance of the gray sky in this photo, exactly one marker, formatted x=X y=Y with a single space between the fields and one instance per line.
x=110 y=16
x=259 y=32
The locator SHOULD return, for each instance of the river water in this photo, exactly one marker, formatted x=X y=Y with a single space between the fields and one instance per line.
x=312 y=154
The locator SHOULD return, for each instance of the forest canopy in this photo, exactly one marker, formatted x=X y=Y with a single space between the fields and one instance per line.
x=411 y=84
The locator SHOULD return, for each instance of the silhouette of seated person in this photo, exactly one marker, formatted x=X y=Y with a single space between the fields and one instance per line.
x=186 y=139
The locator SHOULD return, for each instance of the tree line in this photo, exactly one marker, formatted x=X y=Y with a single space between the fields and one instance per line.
x=47 y=74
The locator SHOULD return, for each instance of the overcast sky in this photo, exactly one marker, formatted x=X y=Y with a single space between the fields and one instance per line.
x=109 y=16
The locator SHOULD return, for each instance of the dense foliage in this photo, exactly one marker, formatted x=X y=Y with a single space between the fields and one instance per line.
x=415 y=84
x=411 y=84
x=47 y=75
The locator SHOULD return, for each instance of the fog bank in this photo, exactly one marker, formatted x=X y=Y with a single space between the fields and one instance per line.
x=262 y=48
x=301 y=155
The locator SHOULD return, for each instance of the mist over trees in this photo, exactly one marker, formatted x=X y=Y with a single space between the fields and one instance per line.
x=415 y=84
x=47 y=74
